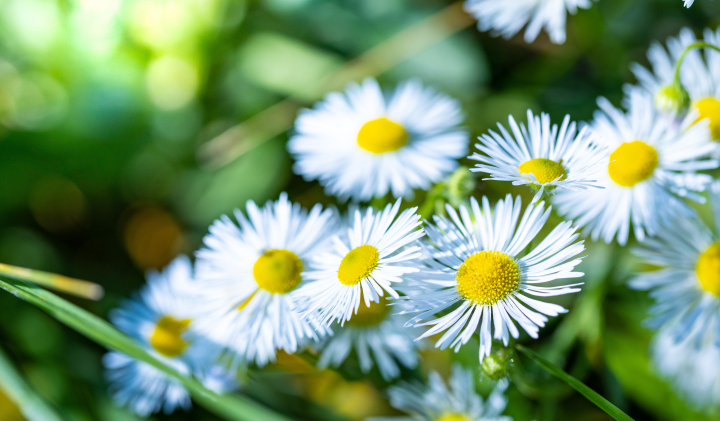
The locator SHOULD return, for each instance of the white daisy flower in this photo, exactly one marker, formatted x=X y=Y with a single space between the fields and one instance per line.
x=456 y=401
x=250 y=274
x=540 y=156
x=160 y=319
x=699 y=74
x=477 y=268
x=377 y=337
x=508 y=17
x=364 y=143
x=686 y=286
x=689 y=3
x=368 y=257
x=650 y=165
x=690 y=367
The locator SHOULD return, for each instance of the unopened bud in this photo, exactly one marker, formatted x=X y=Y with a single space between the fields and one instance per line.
x=672 y=98
x=496 y=365
x=460 y=185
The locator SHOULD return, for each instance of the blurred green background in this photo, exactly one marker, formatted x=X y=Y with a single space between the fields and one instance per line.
x=119 y=144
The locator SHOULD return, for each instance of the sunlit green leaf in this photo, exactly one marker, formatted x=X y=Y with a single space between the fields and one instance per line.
x=231 y=407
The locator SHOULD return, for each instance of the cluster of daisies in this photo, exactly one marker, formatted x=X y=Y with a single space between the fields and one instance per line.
x=375 y=284
x=686 y=285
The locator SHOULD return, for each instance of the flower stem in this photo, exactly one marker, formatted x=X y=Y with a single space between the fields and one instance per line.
x=699 y=44
x=576 y=384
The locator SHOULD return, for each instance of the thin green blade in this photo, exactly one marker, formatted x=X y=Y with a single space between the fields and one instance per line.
x=576 y=384
x=231 y=407
x=31 y=405
x=80 y=288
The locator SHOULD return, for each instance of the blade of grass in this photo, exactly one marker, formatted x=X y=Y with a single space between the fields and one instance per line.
x=576 y=384
x=31 y=405
x=231 y=407
x=54 y=281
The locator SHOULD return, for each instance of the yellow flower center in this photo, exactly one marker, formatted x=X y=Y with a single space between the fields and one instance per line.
x=382 y=135
x=544 y=170
x=454 y=417
x=167 y=336
x=370 y=316
x=708 y=269
x=632 y=162
x=278 y=271
x=710 y=108
x=358 y=264
x=487 y=277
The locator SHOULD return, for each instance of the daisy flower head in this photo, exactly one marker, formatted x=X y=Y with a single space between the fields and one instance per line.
x=477 y=269
x=651 y=164
x=250 y=273
x=508 y=17
x=374 y=251
x=455 y=401
x=686 y=286
x=540 y=156
x=161 y=318
x=364 y=143
x=377 y=337
x=690 y=367
x=699 y=74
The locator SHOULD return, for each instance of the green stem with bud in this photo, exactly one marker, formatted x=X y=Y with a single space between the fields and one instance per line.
x=699 y=44
x=673 y=97
x=455 y=190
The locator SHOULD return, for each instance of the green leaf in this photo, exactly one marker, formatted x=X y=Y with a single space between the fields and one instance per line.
x=32 y=406
x=84 y=289
x=231 y=407
x=576 y=384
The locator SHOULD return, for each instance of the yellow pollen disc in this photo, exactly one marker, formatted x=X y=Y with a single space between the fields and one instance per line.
x=382 y=135
x=454 y=417
x=167 y=336
x=708 y=269
x=544 y=170
x=488 y=277
x=710 y=108
x=370 y=316
x=278 y=271
x=632 y=162
x=358 y=264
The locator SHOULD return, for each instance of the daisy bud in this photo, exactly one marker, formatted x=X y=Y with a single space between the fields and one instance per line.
x=496 y=365
x=672 y=98
x=460 y=185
